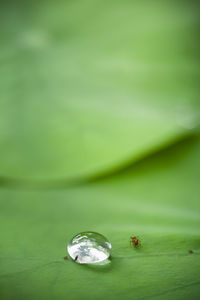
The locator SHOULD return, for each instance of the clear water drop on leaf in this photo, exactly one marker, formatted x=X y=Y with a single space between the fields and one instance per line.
x=89 y=248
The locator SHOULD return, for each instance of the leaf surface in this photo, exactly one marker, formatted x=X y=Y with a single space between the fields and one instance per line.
x=157 y=200
x=90 y=85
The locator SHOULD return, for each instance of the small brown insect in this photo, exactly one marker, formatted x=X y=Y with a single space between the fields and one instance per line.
x=65 y=258
x=134 y=241
x=76 y=258
x=190 y=251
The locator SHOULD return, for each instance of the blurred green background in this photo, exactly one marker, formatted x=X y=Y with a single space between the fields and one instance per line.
x=99 y=130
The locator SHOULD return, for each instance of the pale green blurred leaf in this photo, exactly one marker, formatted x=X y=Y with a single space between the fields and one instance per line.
x=88 y=85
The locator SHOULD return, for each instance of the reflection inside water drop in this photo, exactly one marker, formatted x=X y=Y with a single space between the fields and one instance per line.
x=89 y=248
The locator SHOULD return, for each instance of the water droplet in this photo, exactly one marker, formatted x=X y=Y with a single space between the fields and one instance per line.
x=89 y=248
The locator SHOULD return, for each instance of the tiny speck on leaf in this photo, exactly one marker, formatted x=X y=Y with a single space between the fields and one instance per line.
x=190 y=251
x=65 y=258
x=76 y=258
x=134 y=241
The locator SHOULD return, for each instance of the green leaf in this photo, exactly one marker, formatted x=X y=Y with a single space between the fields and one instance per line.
x=107 y=92
x=90 y=85
x=157 y=200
